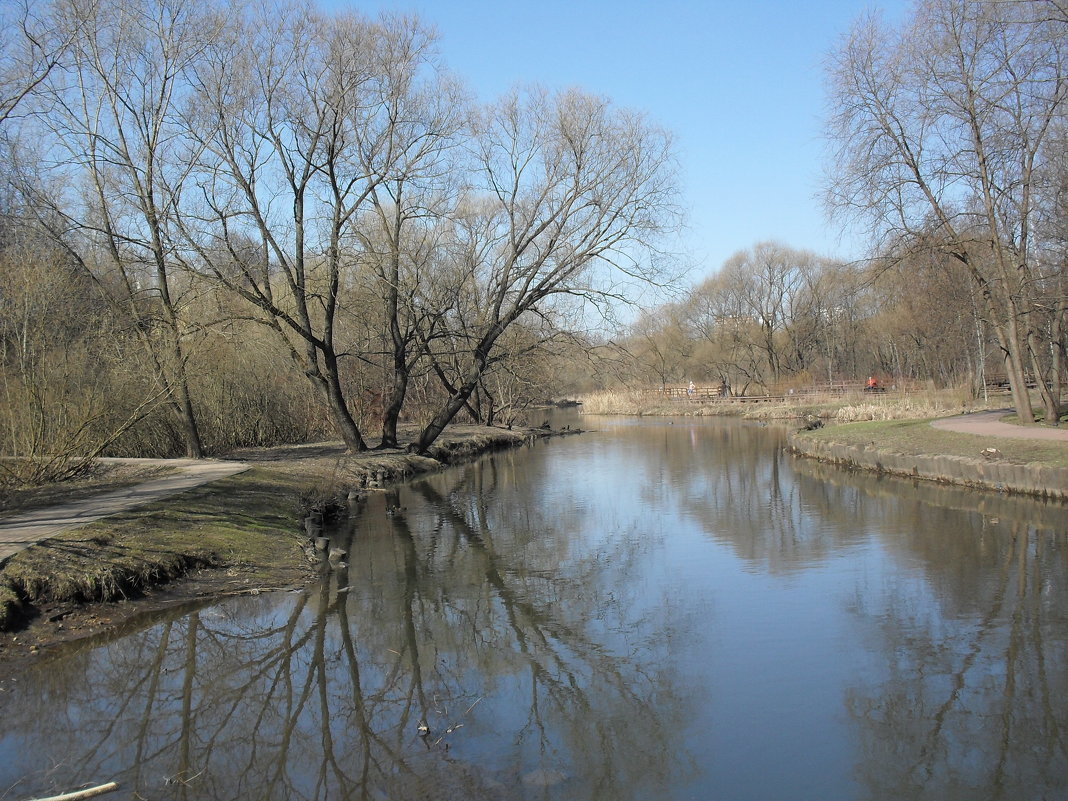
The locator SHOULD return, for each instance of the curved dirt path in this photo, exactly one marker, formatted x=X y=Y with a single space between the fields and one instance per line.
x=23 y=530
x=989 y=424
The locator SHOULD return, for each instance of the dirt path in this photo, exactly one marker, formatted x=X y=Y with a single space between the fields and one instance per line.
x=23 y=530
x=989 y=424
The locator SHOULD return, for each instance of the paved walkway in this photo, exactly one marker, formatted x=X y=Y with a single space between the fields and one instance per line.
x=989 y=425
x=23 y=530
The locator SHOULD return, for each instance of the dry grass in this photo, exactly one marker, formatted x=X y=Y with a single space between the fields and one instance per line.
x=622 y=401
x=908 y=407
x=843 y=409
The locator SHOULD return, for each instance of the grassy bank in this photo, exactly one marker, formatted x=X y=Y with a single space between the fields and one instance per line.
x=246 y=524
x=914 y=449
x=918 y=438
x=247 y=527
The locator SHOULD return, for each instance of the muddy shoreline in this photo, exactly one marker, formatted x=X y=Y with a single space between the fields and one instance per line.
x=47 y=623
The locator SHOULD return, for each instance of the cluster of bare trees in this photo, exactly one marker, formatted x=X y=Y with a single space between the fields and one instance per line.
x=950 y=138
x=269 y=176
x=951 y=133
x=774 y=317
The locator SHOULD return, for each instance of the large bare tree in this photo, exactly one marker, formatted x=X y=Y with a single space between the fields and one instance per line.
x=942 y=128
x=309 y=126
x=568 y=198
x=414 y=170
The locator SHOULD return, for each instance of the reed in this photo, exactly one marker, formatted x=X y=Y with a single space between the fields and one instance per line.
x=840 y=408
x=912 y=406
x=623 y=401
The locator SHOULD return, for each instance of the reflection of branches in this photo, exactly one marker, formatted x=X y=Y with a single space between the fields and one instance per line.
x=563 y=660
x=369 y=762
x=986 y=627
x=319 y=695
x=526 y=621
x=950 y=699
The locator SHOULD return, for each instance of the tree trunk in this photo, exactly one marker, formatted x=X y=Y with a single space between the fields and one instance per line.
x=1008 y=336
x=335 y=398
x=194 y=448
x=399 y=343
x=391 y=413
x=1045 y=382
x=1059 y=365
x=1048 y=371
x=457 y=401
x=1021 y=397
x=491 y=403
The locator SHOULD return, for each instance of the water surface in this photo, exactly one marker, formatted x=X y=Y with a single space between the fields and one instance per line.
x=664 y=609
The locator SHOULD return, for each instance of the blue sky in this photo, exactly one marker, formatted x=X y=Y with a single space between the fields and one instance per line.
x=740 y=84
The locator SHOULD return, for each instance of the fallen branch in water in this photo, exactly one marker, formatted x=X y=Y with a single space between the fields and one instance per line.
x=88 y=792
x=245 y=591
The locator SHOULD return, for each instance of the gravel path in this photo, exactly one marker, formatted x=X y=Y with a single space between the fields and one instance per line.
x=23 y=530
x=989 y=424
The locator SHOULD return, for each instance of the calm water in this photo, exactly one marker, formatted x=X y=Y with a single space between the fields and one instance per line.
x=660 y=610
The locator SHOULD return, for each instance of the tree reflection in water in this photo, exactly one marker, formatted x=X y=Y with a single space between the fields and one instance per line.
x=972 y=700
x=673 y=611
x=437 y=664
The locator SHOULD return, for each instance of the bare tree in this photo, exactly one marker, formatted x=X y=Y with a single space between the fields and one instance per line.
x=305 y=122
x=568 y=197
x=757 y=314
x=768 y=280
x=414 y=187
x=33 y=44
x=941 y=128
x=661 y=345
x=114 y=166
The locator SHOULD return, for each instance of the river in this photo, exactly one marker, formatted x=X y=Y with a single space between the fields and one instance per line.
x=658 y=609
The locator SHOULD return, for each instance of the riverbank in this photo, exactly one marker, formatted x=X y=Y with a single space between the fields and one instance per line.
x=889 y=432
x=1020 y=461
x=241 y=534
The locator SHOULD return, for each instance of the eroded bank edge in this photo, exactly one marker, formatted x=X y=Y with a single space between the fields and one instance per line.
x=118 y=578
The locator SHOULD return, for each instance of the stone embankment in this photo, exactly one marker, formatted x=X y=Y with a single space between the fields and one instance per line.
x=988 y=472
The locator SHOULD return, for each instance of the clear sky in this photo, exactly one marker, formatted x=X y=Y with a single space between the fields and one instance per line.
x=739 y=83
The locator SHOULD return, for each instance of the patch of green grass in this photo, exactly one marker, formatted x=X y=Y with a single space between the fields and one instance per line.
x=917 y=437
x=248 y=522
